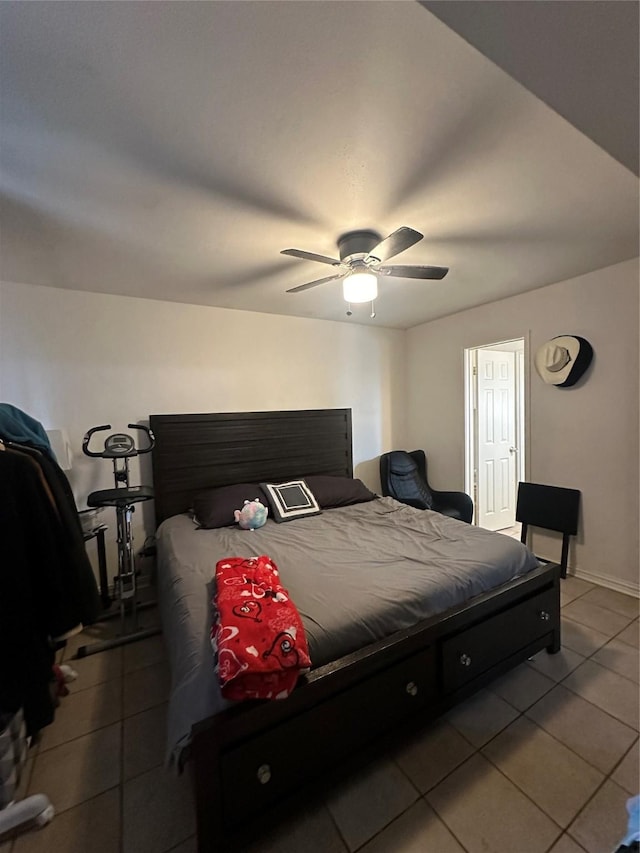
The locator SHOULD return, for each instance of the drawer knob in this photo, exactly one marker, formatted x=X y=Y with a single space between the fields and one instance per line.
x=545 y=616
x=264 y=774
x=465 y=660
x=412 y=688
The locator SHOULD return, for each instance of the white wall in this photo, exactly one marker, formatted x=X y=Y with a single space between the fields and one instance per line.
x=73 y=359
x=584 y=437
x=76 y=359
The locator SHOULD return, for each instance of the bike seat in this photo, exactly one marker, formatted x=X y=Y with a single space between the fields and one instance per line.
x=120 y=497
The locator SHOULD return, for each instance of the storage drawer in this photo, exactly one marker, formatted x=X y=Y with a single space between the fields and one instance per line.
x=268 y=765
x=475 y=650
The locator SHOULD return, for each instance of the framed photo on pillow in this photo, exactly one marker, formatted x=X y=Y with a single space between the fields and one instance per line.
x=290 y=500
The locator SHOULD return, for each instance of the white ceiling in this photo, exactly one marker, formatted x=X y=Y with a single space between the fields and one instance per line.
x=170 y=150
x=581 y=58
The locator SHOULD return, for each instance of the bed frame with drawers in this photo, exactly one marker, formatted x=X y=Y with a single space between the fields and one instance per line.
x=263 y=753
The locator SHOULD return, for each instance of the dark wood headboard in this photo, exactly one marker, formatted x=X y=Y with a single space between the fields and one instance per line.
x=195 y=452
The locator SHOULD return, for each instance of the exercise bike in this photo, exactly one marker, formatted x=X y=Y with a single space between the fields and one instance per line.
x=119 y=448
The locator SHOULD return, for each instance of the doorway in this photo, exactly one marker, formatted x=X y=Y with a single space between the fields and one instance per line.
x=495 y=430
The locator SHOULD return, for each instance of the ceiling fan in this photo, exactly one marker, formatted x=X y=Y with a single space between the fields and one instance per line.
x=362 y=255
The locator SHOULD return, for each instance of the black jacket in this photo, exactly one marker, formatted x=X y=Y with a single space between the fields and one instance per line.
x=27 y=588
x=46 y=582
x=80 y=582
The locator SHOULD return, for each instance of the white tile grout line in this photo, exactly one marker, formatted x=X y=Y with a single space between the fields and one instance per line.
x=604 y=606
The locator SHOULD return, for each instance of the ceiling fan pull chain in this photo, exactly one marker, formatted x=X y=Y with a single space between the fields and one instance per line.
x=349 y=311
x=373 y=309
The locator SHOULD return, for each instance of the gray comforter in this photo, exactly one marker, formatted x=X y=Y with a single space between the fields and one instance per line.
x=356 y=574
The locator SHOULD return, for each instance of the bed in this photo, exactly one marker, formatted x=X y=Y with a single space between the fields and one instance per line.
x=444 y=633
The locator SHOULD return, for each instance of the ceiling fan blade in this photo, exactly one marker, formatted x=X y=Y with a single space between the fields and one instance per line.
x=414 y=272
x=310 y=256
x=395 y=243
x=315 y=283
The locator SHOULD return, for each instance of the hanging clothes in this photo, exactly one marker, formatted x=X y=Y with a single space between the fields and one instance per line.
x=13 y=756
x=18 y=426
x=79 y=578
x=47 y=585
x=28 y=581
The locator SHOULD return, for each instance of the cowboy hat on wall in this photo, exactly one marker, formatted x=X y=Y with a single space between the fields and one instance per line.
x=563 y=360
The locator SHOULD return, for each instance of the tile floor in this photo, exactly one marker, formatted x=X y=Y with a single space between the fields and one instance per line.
x=542 y=762
x=514 y=531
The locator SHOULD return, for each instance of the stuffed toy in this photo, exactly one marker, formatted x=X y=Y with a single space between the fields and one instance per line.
x=252 y=515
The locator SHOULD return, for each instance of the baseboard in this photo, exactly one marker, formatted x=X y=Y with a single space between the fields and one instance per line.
x=625 y=587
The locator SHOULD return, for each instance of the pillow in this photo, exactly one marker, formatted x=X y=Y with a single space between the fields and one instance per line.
x=290 y=500
x=215 y=507
x=338 y=491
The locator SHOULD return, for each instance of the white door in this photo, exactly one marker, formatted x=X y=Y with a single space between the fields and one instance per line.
x=496 y=439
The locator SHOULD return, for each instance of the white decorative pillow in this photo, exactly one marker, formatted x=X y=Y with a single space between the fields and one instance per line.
x=290 y=500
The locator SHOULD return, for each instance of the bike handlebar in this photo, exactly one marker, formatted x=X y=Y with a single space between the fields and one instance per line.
x=149 y=434
x=87 y=438
x=104 y=454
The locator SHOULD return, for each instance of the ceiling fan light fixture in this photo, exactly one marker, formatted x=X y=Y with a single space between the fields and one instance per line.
x=360 y=287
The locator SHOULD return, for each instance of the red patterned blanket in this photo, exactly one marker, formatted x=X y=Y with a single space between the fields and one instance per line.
x=258 y=637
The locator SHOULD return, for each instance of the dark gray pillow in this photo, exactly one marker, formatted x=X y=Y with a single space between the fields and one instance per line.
x=338 y=491
x=214 y=507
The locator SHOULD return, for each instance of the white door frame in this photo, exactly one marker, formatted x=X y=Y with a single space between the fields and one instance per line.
x=523 y=421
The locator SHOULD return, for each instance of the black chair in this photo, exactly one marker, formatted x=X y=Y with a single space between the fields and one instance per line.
x=549 y=507
x=403 y=476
